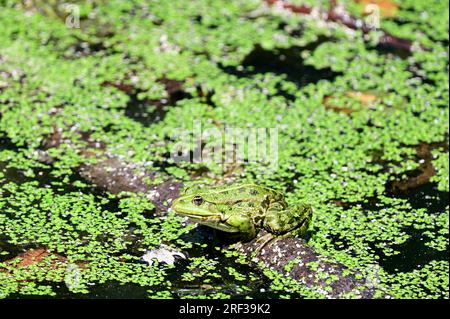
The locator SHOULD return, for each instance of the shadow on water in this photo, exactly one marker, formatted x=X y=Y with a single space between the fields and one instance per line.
x=9 y=174
x=427 y=196
x=147 y=111
x=109 y=290
x=286 y=62
x=414 y=253
x=144 y=111
x=391 y=51
x=6 y=143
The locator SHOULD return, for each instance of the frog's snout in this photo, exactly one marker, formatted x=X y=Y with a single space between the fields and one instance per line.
x=190 y=207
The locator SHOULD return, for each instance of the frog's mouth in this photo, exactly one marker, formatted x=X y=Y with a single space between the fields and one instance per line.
x=216 y=221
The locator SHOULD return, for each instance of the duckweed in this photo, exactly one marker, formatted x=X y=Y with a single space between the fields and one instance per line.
x=67 y=91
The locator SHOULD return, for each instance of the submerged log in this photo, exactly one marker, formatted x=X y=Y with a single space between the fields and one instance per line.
x=293 y=257
x=114 y=176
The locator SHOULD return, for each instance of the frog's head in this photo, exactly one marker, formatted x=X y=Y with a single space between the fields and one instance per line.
x=207 y=209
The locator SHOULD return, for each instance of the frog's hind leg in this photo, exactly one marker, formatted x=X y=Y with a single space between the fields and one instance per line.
x=281 y=223
x=292 y=221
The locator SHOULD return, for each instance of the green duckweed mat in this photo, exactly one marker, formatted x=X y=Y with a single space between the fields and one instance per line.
x=362 y=129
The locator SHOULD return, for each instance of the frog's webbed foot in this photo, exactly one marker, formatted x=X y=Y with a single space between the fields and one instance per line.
x=263 y=241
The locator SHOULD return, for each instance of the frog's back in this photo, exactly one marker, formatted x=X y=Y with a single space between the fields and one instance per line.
x=244 y=192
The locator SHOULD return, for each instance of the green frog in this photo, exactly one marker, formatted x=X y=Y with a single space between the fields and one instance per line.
x=244 y=210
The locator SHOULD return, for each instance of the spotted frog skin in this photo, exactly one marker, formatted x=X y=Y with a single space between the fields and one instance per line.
x=244 y=210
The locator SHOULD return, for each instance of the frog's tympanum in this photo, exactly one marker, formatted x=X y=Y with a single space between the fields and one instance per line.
x=244 y=210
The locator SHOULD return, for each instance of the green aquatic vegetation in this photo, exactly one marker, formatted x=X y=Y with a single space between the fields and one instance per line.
x=21 y=164
x=201 y=267
x=441 y=165
x=284 y=284
x=86 y=82
x=428 y=282
x=438 y=235
x=237 y=276
x=78 y=226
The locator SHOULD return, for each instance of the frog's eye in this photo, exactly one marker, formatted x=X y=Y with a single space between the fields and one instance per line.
x=197 y=200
